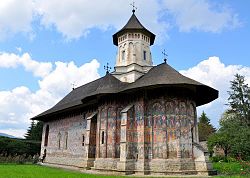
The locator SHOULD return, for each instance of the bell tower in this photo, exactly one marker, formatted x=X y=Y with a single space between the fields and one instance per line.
x=133 y=54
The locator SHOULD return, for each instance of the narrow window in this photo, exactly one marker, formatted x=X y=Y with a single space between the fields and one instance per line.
x=59 y=140
x=102 y=137
x=46 y=136
x=145 y=55
x=66 y=140
x=83 y=140
x=123 y=55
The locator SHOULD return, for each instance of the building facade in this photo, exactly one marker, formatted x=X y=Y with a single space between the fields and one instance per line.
x=139 y=119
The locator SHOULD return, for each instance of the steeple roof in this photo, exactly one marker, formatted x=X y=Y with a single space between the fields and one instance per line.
x=133 y=25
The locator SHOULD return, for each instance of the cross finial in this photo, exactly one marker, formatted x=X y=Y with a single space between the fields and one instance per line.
x=107 y=68
x=165 y=56
x=73 y=85
x=134 y=7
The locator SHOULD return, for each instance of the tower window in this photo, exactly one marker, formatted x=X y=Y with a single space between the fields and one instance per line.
x=145 y=55
x=123 y=55
x=102 y=137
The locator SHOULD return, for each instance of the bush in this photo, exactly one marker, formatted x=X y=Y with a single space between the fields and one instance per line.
x=19 y=159
x=222 y=159
x=18 y=151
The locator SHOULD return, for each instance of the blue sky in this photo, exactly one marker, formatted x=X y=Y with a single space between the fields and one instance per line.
x=45 y=46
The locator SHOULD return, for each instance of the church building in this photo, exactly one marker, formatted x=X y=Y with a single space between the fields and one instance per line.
x=138 y=119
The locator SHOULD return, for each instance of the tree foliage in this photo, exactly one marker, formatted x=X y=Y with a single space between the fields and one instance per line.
x=205 y=128
x=34 y=132
x=12 y=146
x=234 y=133
x=239 y=99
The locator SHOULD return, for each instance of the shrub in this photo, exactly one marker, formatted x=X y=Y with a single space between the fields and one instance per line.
x=222 y=159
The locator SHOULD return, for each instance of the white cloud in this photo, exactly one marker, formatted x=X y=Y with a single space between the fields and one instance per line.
x=15 y=16
x=20 y=104
x=11 y=60
x=214 y=73
x=202 y=15
x=75 y=18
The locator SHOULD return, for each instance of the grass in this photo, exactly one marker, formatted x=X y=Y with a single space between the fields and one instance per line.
x=233 y=168
x=36 y=171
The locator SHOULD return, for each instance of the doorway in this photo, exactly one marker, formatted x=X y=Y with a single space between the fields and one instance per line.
x=92 y=137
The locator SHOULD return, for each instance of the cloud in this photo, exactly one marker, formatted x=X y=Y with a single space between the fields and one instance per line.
x=75 y=19
x=214 y=73
x=11 y=60
x=15 y=16
x=202 y=15
x=20 y=104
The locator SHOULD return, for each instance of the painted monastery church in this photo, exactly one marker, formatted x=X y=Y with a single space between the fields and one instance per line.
x=138 y=119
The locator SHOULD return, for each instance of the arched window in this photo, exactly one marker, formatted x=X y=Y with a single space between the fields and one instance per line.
x=102 y=137
x=145 y=55
x=83 y=140
x=59 y=140
x=66 y=140
x=123 y=55
x=46 y=136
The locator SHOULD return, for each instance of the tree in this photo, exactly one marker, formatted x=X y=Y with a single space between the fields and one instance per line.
x=34 y=132
x=234 y=133
x=232 y=137
x=205 y=128
x=28 y=135
x=219 y=140
x=239 y=99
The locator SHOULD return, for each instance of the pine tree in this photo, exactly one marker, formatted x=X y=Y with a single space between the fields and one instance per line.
x=34 y=132
x=239 y=99
x=28 y=135
x=205 y=128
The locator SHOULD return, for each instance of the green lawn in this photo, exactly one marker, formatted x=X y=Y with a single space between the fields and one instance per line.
x=36 y=171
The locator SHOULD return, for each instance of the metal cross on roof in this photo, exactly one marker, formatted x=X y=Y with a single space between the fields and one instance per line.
x=165 y=56
x=107 y=68
x=134 y=7
x=73 y=85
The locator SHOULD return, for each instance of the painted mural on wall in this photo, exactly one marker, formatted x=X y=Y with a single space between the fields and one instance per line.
x=163 y=132
x=158 y=129
x=110 y=131
x=65 y=137
x=171 y=121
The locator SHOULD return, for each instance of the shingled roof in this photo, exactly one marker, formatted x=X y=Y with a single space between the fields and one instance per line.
x=165 y=75
x=133 y=25
x=104 y=85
